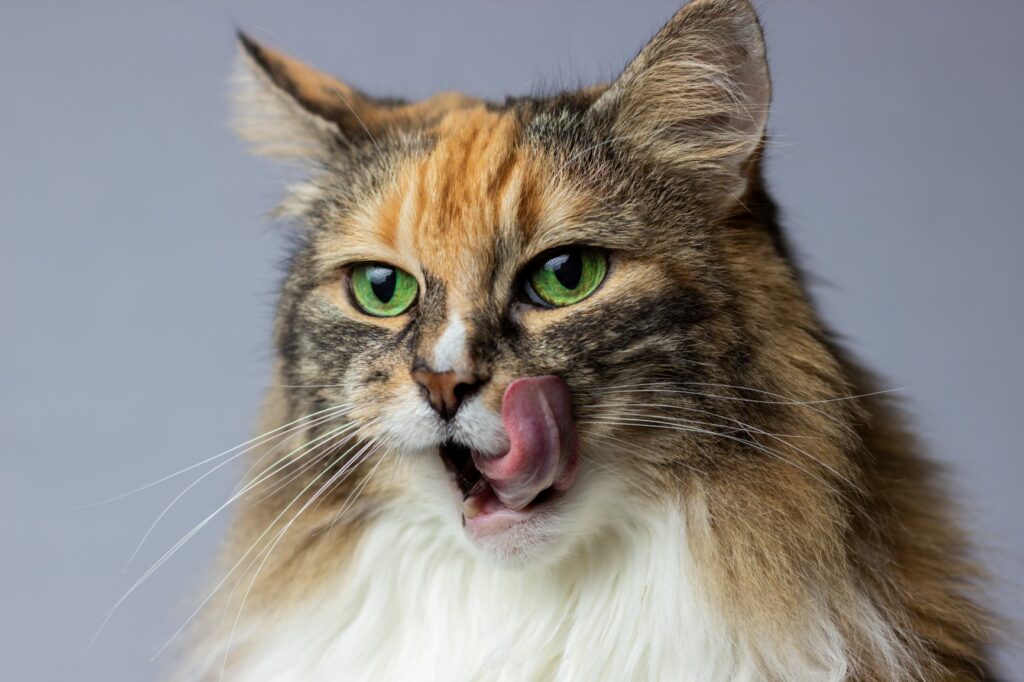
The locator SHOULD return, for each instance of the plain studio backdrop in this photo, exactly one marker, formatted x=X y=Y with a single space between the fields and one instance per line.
x=138 y=271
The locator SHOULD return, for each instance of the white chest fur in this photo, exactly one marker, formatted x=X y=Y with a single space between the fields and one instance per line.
x=417 y=606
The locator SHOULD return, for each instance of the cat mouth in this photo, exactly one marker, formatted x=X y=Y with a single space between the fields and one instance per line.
x=501 y=491
x=483 y=511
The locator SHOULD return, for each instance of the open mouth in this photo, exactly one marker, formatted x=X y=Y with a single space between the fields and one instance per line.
x=478 y=497
x=502 y=490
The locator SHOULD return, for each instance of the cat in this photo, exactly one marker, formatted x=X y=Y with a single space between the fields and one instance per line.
x=551 y=402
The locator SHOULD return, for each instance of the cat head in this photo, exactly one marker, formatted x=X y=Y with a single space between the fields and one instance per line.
x=536 y=311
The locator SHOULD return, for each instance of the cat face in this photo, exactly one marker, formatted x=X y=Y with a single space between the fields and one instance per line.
x=468 y=224
x=522 y=307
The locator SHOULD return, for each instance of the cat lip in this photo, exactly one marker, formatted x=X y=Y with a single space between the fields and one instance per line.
x=483 y=514
x=540 y=464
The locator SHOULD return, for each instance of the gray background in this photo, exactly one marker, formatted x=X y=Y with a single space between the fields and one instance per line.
x=137 y=272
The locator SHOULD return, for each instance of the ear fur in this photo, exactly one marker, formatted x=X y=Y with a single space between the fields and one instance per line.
x=288 y=109
x=698 y=93
x=283 y=107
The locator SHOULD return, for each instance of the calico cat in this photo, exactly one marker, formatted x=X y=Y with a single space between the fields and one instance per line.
x=551 y=403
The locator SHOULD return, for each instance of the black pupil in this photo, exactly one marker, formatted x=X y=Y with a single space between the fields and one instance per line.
x=567 y=268
x=382 y=281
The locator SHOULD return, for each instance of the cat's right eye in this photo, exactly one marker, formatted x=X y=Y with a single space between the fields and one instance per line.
x=382 y=290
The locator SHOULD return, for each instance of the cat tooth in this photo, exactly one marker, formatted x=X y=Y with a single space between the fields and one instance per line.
x=473 y=501
x=477 y=488
x=470 y=508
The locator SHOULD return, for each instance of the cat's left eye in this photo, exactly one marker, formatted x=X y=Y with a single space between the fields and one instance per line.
x=565 y=276
x=382 y=290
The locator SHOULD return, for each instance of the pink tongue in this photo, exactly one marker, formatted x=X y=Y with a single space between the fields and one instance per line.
x=537 y=412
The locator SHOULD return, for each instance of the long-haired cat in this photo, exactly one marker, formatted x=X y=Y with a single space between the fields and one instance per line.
x=552 y=403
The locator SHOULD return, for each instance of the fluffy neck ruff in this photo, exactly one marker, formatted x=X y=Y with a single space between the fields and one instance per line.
x=415 y=604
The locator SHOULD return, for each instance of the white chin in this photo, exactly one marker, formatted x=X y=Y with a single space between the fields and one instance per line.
x=518 y=541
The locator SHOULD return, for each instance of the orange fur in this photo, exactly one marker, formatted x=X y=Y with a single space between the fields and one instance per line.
x=820 y=536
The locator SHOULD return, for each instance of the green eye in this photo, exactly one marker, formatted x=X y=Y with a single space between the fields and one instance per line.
x=383 y=290
x=566 y=277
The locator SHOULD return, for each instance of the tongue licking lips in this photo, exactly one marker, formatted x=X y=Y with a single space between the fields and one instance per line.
x=544 y=452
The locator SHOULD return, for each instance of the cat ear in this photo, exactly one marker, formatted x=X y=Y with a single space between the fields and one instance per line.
x=286 y=108
x=698 y=93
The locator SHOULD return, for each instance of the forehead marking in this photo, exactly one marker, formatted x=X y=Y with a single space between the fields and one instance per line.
x=411 y=203
x=463 y=182
x=510 y=202
x=450 y=349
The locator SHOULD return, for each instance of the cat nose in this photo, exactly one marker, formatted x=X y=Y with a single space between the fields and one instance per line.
x=446 y=390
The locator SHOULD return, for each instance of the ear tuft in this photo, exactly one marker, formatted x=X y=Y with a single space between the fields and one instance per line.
x=698 y=93
x=271 y=107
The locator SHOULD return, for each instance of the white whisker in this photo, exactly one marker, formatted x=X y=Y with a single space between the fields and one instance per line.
x=655 y=424
x=241 y=559
x=199 y=480
x=163 y=559
x=326 y=486
x=261 y=438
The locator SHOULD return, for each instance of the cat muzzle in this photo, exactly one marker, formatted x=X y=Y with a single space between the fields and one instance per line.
x=542 y=459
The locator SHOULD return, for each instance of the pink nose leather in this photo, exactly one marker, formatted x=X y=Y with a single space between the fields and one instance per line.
x=446 y=390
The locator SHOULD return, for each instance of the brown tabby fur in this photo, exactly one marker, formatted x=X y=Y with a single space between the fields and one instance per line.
x=705 y=298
